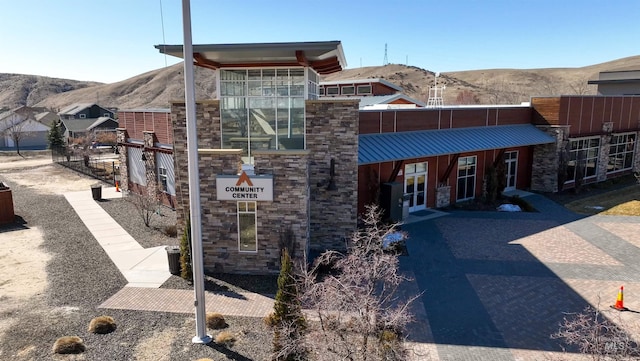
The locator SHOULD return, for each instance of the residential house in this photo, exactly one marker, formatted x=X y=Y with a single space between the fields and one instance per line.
x=23 y=128
x=85 y=119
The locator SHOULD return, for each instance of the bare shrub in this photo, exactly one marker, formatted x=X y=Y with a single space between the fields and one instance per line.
x=145 y=204
x=102 y=325
x=225 y=338
x=597 y=337
x=215 y=321
x=170 y=231
x=68 y=345
x=359 y=314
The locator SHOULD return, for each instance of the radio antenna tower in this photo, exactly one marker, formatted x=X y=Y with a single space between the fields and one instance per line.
x=435 y=94
x=386 y=59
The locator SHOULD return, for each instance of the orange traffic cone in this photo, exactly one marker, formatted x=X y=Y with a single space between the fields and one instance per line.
x=117 y=187
x=620 y=301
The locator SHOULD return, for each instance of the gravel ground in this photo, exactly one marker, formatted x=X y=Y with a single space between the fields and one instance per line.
x=80 y=277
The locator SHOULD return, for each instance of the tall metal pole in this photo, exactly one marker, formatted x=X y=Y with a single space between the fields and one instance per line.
x=194 y=179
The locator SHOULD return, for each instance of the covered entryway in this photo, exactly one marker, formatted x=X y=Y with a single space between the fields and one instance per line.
x=415 y=182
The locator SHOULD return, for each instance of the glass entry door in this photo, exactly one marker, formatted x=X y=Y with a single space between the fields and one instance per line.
x=511 y=169
x=415 y=185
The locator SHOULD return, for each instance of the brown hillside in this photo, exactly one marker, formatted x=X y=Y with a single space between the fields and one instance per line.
x=18 y=89
x=156 y=88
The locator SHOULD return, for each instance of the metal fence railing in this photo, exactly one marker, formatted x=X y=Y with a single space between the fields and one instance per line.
x=101 y=164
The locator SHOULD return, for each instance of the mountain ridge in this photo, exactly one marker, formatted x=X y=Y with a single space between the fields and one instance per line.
x=156 y=88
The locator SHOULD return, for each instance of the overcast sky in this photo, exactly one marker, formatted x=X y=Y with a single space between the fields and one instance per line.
x=113 y=40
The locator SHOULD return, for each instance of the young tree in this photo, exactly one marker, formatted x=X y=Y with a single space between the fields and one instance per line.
x=287 y=320
x=186 y=272
x=18 y=131
x=360 y=316
x=55 y=136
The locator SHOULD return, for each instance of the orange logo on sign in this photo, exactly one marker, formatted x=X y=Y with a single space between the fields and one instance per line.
x=244 y=178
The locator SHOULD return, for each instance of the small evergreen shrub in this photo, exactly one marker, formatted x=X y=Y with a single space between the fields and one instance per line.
x=225 y=338
x=102 y=325
x=215 y=321
x=68 y=345
x=186 y=271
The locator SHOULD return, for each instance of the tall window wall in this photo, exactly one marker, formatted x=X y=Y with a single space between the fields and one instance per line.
x=466 y=178
x=264 y=108
x=621 y=152
x=583 y=158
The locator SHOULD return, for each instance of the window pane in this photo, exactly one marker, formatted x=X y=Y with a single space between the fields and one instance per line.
x=247 y=226
x=247 y=230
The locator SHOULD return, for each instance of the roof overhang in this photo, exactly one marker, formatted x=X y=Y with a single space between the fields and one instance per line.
x=325 y=57
x=387 y=147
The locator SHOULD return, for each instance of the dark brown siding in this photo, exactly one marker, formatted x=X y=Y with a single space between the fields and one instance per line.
x=545 y=111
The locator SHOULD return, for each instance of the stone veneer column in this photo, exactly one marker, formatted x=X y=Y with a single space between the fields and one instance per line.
x=123 y=158
x=208 y=129
x=332 y=133
x=150 y=164
x=603 y=154
x=443 y=196
x=546 y=160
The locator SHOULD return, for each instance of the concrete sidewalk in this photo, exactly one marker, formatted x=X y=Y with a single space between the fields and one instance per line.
x=142 y=267
x=146 y=269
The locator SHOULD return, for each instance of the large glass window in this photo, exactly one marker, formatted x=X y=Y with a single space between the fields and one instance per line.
x=264 y=108
x=583 y=158
x=621 y=152
x=466 y=178
x=247 y=241
x=162 y=177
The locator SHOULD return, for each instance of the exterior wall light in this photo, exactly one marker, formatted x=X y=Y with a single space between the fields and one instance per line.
x=330 y=183
x=144 y=157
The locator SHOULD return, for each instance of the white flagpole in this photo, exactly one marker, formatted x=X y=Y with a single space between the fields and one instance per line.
x=194 y=179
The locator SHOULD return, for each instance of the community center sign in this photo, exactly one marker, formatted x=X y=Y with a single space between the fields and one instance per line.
x=244 y=187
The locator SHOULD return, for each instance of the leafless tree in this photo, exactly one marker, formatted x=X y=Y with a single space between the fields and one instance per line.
x=355 y=304
x=18 y=131
x=597 y=337
x=581 y=87
x=467 y=97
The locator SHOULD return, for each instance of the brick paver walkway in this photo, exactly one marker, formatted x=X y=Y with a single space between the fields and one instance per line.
x=181 y=301
x=497 y=285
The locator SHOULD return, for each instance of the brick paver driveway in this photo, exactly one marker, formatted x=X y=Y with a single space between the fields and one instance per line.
x=497 y=285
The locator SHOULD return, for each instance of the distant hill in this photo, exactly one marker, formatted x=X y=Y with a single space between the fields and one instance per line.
x=18 y=89
x=156 y=88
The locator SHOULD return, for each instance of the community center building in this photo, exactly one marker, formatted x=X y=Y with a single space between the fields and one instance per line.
x=283 y=165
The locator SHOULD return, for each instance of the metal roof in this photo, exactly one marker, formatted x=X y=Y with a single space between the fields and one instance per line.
x=362 y=81
x=386 y=147
x=84 y=124
x=371 y=100
x=325 y=57
x=73 y=109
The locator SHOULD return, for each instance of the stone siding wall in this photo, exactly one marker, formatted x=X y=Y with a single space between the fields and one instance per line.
x=289 y=209
x=636 y=153
x=150 y=164
x=603 y=153
x=546 y=160
x=443 y=196
x=332 y=133
x=123 y=156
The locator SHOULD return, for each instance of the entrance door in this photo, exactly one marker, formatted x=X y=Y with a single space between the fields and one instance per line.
x=415 y=185
x=511 y=169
